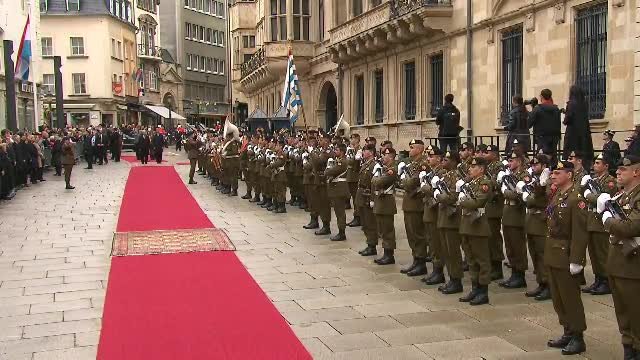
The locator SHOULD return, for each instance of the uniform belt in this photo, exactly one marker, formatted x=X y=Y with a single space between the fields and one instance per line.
x=337 y=180
x=467 y=212
x=231 y=156
x=511 y=202
x=533 y=211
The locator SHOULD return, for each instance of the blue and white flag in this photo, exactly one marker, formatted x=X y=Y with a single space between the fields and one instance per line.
x=292 y=99
x=23 y=61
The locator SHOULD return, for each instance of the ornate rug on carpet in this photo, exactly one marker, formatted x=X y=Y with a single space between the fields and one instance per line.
x=170 y=242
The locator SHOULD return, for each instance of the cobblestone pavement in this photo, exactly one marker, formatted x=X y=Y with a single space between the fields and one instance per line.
x=54 y=263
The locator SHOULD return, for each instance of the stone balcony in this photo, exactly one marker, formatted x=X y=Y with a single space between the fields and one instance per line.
x=269 y=64
x=387 y=25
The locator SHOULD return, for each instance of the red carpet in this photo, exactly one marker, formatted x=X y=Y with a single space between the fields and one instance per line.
x=196 y=306
x=133 y=159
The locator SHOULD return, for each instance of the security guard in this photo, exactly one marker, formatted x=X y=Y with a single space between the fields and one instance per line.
x=449 y=226
x=494 y=209
x=474 y=228
x=319 y=159
x=338 y=189
x=364 y=199
x=413 y=209
x=353 y=171
x=433 y=171
x=535 y=194
x=513 y=223
x=598 y=237
x=623 y=262
x=565 y=257
x=384 y=204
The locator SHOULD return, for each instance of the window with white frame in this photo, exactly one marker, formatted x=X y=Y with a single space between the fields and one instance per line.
x=186 y=3
x=221 y=38
x=73 y=5
x=187 y=30
x=47 y=46
x=221 y=68
x=215 y=65
x=201 y=33
x=207 y=6
x=221 y=11
x=77 y=46
x=214 y=37
x=207 y=37
x=189 y=61
x=79 y=83
x=202 y=61
x=48 y=83
x=196 y=62
x=194 y=32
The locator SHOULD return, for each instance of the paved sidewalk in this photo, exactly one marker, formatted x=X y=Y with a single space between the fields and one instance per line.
x=54 y=263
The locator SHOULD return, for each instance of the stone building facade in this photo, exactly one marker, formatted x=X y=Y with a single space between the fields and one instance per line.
x=386 y=65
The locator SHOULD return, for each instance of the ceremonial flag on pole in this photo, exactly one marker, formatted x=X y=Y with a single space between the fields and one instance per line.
x=23 y=61
x=292 y=99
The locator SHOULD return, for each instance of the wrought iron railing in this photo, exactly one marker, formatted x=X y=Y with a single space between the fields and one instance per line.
x=257 y=60
x=148 y=50
x=402 y=7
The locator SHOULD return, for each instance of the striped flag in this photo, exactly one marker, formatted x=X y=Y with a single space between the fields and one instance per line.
x=292 y=98
x=23 y=61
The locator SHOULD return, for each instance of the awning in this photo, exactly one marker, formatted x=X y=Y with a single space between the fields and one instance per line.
x=164 y=112
x=75 y=106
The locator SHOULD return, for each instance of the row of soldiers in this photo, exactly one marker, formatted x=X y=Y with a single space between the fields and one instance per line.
x=461 y=209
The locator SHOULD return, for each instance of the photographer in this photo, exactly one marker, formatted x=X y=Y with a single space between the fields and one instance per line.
x=448 y=121
x=544 y=118
x=517 y=125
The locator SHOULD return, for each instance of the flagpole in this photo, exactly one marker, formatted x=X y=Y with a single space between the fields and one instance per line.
x=34 y=57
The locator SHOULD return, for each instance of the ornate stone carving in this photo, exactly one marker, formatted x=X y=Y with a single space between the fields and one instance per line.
x=360 y=24
x=559 y=10
x=530 y=22
x=490 y=35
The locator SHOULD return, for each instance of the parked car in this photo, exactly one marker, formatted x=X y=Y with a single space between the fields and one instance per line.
x=128 y=142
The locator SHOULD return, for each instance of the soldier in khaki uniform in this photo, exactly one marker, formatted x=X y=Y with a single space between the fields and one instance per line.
x=384 y=204
x=354 y=156
x=192 y=147
x=244 y=166
x=413 y=209
x=231 y=164
x=433 y=172
x=467 y=152
x=623 y=261
x=265 y=176
x=535 y=194
x=577 y=159
x=565 y=257
x=298 y=173
x=513 y=223
x=364 y=199
x=253 y=169
x=598 y=237
x=449 y=225
x=279 y=178
x=308 y=181
x=338 y=189
x=319 y=160
x=494 y=209
x=474 y=228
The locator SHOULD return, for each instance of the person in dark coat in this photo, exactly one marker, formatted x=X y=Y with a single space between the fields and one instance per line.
x=23 y=161
x=56 y=155
x=448 y=121
x=517 y=125
x=633 y=143
x=89 y=147
x=158 y=146
x=143 y=145
x=116 y=145
x=544 y=118
x=578 y=133
x=68 y=160
x=611 y=151
x=6 y=188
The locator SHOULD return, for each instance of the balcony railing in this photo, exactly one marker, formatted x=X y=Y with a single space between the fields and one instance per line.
x=402 y=7
x=148 y=50
x=258 y=59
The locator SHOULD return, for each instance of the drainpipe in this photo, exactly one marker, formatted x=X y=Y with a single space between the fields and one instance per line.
x=339 y=91
x=469 y=70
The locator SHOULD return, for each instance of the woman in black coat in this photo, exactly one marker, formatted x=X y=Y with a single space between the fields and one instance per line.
x=611 y=151
x=517 y=125
x=578 y=132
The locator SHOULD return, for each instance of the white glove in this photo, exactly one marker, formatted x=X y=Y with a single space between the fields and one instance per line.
x=401 y=167
x=310 y=148
x=371 y=204
x=584 y=180
x=436 y=193
x=544 y=177
x=530 y=171
x=503 y=188
x=459 y=184
x=606 y=216
x=602 y=200
x=587 y=193
x=505 y=162
x=525 y=196
x=376 y=168
x=501 y=174
x=434 y=181
x=461 y=197
x=422 y=175
x=403 y=176
x=519 y=186
x=575 y=269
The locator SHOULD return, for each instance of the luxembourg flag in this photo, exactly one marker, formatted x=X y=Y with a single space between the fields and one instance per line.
x=23 y=61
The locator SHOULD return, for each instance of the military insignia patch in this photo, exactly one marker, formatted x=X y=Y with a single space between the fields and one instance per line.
x=611 y=184
x=424 y=168
x=390 y=172
x=582 y=205
x=527 y=179
x=485 y=188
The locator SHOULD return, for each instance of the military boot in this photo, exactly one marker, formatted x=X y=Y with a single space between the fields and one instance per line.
x=226 y=190
x=295 y=201
x=234 y=192
x=535 y=292
x=280 y=209
x=453 y=287
x=472 y=294
x=629 y=352
x=410 y=267
x=496 y=270
x=219 y=187
x=268 y=203
x=562 y=341
x=192 y=182
x=292 y=201
x=303 y=204
x=261 y=202
x=313 y=223
x=602 y=288
x=589 y=289
x=355 y=222
x=516 y=281
x=437 y=277
x=272 y=205
x=575 y=346
x=386 y=259
x=325 y=230
x=368 y=251
x=420 y=269
x=340 y=236
x=255 y=199
x=544 y=295
x=247 y=196
x=482 y=297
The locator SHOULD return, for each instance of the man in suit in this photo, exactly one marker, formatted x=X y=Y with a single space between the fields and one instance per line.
x=158 y=147
x=101 y=149
x=89 y=147
x=144 y=143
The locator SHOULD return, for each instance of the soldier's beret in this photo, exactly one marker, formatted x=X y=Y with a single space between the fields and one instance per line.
x=467 y=146
x=479 y=161
x=434 y=150
x=370 y=139
x=389 y=151
x=355 y=135
x=605 y=160
x=540 y=159
x=369 y=147
x=326 y=136
x=416 y=142
x=515 y=155
x=482 y=148
x=563 y=165
x=609 y=133
x=452 y=155
x=629 y=160
x=576 y=154
x=386 y=142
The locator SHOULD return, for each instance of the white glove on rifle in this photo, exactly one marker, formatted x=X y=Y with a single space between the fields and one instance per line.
x=461 y=197
x=503 y=188
x=575 y=269
x=587 y=193
x=434 y=181
x=519 y=186
x=525 y=196
x=601 y=203
x=584 y=180
x=544 y=177
x=606 y=216
x=459 y=184
x=501 y=174
x=436 y=193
